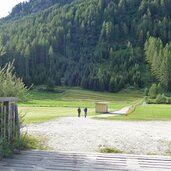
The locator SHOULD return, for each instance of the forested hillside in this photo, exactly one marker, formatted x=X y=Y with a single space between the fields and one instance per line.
x=32 y=6
x=96 y=44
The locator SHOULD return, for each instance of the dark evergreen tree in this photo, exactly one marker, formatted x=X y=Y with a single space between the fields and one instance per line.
x=96 y=44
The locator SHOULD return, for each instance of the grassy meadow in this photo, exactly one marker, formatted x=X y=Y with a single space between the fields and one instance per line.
x=158 y=112
x=42 y=106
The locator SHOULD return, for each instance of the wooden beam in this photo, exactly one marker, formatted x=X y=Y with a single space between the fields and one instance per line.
x=8 y=99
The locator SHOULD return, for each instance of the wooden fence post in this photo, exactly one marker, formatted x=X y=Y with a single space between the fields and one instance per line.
x=9 y=120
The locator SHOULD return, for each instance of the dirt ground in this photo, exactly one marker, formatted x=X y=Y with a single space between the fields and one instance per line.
x=88 y=135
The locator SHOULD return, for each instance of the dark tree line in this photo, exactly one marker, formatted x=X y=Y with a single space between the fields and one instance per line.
x=96 y=44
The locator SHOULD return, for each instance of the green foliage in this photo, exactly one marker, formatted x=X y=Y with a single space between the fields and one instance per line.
x=153 y=91
x=25 y=8
x=79 y=43
x=146 y=91
x=50 y=85
x=31 y=142
x=26 y=142
x=95 y=44
x=10 y=85
x=161 y=99
x=109 y=150
x=5 y=149
x=157 y=95
x=159 y=58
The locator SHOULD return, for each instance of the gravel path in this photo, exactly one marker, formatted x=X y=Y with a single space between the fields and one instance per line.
x=88 y=135
x=122 y=111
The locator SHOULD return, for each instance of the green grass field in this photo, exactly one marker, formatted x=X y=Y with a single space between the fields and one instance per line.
x=42 y=114
x=147 y=113
x=43 y=106
x=74 y=97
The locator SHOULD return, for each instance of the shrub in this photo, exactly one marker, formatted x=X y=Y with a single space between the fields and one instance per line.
x=5 y=148
x=26 y=142
x=50 y=85
x=153 y=91
x=146 y=91
x=169 y=100
x=109 y=150
x=160 y=89
x=10 y=85
x=31 y=142
x=155 y=95
x=160 y=99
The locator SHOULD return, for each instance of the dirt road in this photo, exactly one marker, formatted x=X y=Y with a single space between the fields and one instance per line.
x=88 y=135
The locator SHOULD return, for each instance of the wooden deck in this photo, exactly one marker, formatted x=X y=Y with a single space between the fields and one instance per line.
x=66 y=161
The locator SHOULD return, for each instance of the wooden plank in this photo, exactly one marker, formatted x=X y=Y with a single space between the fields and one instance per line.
x=8 y=99
x=13 y=121
x=17 y=122
x=1 y=121
x=9 y=120
x=62 y=161
x=5 y=121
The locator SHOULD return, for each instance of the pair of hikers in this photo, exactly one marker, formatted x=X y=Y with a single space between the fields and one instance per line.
x=79 y=112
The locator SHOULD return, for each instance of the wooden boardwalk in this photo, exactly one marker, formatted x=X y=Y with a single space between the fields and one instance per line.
x=69 y=161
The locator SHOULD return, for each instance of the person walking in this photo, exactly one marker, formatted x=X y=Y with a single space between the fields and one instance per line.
x=79 y=111
x=85 y=112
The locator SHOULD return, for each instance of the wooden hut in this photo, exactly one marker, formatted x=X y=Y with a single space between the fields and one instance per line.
x=102 y=107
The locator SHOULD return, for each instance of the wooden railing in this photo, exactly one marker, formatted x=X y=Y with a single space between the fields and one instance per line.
x=9 y=119
x=134 y=106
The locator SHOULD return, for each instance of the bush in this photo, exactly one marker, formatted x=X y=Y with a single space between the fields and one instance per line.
x=5 y=149
x=10 y=85
x=155 y=95
x=109 y=150
x=153 y=91
x=160 y=89
x=169 y=100
x=50 y=85
x=161 y=99
x=26 y=142
x=146 y=91
x=31 y=142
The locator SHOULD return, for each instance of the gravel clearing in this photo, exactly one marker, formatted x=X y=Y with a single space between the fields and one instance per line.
x=88 y=135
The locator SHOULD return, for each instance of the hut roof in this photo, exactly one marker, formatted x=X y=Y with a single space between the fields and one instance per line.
x=102 y=103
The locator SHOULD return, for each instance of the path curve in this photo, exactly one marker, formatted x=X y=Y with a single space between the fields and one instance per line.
x=88 y=135
x=122 y=111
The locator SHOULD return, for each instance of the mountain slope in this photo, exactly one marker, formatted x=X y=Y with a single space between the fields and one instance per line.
x=34 y=6
x=97 y=44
